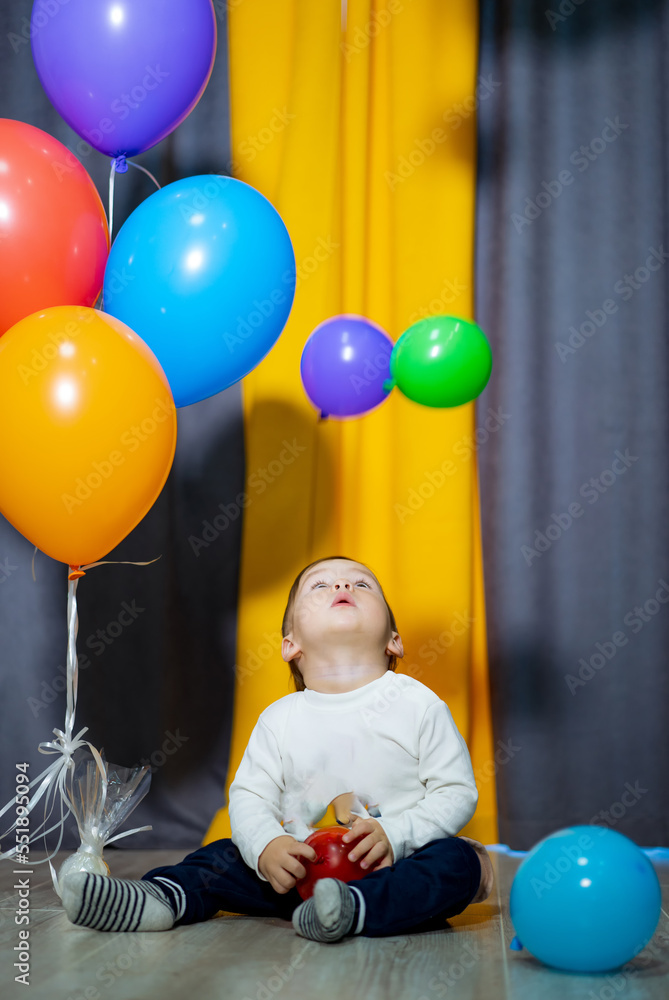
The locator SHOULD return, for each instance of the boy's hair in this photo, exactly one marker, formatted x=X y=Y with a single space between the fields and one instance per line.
x=287 y=616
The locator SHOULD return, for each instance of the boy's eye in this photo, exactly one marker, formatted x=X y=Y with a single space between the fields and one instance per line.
x=363 y=582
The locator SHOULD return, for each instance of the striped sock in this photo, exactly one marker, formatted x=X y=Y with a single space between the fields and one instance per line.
x=333 y=911
x=116 y=904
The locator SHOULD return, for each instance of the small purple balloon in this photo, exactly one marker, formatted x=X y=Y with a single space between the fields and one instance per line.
x=344 y=364
x=122 y=73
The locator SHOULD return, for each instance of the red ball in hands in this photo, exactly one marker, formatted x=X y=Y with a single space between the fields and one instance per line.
x=332 y=860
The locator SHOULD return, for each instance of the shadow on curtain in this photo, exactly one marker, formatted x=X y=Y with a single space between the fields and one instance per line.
x=364 y=141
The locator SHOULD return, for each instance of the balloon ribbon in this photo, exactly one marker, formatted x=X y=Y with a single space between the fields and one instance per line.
x=52 y=780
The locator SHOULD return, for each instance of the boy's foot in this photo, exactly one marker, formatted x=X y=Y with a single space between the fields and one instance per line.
x=334 y=910
x=116 y=904
x=486 y=883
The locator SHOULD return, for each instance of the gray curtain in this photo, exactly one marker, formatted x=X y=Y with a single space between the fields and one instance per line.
x=572 y=256
x=158 y=680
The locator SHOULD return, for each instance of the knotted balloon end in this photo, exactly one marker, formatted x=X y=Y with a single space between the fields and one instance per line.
x=75 y=573
x=515 y=944
x=120 y=165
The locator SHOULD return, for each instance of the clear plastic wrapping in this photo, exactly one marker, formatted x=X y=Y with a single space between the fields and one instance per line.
x=101 y=799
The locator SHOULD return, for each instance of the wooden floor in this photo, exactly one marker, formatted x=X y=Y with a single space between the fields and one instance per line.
x=250 y=958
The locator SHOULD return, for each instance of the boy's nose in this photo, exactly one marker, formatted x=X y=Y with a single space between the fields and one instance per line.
x=342 y=583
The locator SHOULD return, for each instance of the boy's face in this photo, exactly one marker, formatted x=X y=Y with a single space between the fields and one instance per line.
x=339 y=605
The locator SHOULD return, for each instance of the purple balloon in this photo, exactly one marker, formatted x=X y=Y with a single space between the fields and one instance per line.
x=123 y=73
x=344 y=364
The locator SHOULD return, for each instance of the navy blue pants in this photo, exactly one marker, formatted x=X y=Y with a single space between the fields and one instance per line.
x=416 y=893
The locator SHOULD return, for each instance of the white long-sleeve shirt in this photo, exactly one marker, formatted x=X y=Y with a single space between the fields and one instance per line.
x=392 y=743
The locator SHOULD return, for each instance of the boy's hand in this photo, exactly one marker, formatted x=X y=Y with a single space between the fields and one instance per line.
x=376 y=846
x=279 y=862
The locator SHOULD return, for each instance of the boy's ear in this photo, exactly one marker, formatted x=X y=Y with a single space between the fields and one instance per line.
x=395 y=646
x=289 y=649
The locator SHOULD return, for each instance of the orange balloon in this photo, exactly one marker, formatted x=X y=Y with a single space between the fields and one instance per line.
x=54 y=240
x=88 y=431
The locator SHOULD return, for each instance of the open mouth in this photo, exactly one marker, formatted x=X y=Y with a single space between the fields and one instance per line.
x=343 y=600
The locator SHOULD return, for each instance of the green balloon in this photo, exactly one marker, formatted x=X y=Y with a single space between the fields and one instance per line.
x=442 y=361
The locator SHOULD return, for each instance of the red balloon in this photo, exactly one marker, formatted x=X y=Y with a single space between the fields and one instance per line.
x=332 y=860
x=54 y=240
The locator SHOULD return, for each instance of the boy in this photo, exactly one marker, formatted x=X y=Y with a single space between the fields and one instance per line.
x=381 y=747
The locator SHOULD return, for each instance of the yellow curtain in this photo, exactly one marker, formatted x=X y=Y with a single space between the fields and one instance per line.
x=358 y=124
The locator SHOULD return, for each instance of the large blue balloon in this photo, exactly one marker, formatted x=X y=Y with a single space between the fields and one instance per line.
x=585 y=899
x=204 y=271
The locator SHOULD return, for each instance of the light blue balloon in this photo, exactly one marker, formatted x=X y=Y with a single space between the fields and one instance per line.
x=204 y=271
x=585 y=899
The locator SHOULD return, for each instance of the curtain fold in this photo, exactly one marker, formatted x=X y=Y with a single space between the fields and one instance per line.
x=156 y=683
x=364 y=141
x=572 y=290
